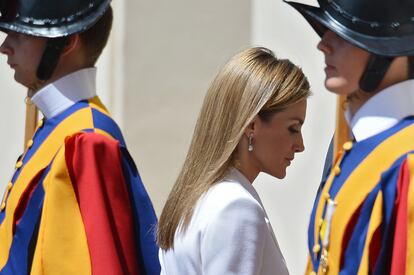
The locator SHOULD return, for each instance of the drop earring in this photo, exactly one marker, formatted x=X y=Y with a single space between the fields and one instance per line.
x=250 y=147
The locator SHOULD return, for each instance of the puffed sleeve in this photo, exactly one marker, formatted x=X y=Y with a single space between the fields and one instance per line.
x=234 y=239
x=87 y=223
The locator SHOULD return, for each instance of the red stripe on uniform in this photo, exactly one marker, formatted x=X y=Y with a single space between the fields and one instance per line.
x=95 y=166
x=398 y=262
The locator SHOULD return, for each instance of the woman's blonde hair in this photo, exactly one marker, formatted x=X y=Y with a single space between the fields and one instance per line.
x=252 y=81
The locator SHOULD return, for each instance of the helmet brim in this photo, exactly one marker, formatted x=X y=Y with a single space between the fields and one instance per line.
x=385 y=46
x=62 y=29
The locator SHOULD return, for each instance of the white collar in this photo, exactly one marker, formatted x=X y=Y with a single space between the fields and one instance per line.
x=383 y=110
x=56 y=97
x=237 y=176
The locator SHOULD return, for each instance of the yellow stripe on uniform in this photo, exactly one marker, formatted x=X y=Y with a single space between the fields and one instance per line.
x=80 y=120
x=375 y=222
x=96 y=103
x=309 y=266
x=62 y=246
x=360 y=183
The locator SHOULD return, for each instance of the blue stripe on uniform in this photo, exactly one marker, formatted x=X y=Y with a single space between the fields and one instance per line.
x=107 y=124
x=350 y=162
x=25 y=231
x=41 y=135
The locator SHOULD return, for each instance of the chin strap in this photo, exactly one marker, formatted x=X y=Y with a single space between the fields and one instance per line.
x=374 y=72
x=51 y=54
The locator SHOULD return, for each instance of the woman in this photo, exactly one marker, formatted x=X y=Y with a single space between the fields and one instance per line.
x=250 y=122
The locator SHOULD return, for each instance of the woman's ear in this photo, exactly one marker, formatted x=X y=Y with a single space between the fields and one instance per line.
x=251 y=127
x=71 y=44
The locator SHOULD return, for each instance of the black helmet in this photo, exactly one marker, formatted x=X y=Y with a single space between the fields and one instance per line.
x=50 y=18
x=384 y=28
x=53 y=19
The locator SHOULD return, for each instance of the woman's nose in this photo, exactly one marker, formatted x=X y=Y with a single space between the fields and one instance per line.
x=299 y=146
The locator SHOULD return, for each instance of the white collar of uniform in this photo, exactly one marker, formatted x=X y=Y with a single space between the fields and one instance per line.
x=56 y=97
x=383 y=110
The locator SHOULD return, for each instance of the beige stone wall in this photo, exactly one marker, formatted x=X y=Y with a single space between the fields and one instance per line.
x=172 y=51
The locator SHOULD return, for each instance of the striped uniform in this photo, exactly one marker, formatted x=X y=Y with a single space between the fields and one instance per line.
x=76 y=203
x=362 y=221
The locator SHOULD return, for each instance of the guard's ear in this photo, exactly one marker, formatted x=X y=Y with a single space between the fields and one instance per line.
x=72 y=42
